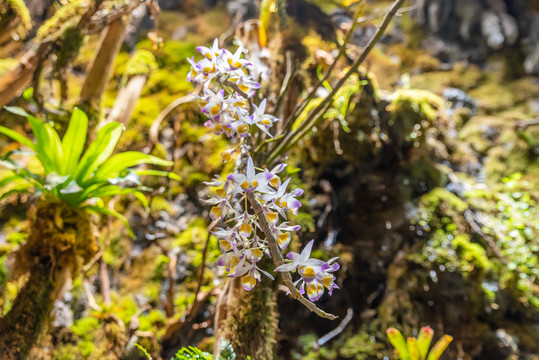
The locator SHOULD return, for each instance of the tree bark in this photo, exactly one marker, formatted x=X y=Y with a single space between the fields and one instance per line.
x=15 y=81
x=250 y=322
x=60 y=241
x=22 y=325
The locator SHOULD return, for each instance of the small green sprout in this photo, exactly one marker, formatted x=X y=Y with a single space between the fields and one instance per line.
x=418 y=348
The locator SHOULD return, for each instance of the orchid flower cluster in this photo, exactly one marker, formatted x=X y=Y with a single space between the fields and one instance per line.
x=230 y=111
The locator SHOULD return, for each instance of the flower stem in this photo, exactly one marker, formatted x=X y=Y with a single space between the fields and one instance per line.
x=278 y=259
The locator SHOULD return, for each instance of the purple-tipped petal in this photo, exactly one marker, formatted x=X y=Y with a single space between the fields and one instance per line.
x=295 y=204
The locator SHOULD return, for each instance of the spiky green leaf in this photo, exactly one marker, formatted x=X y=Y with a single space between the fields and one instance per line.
x=99 y=151
x=74 y=140
x=397 y=340
x=150 y=172
x=119 y=162
x=18 y=137
x=423 y=341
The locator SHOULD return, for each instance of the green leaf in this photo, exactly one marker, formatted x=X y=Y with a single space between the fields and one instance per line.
x=112 y=190
x=439 y=347
x=46 y=142
x=162 y=173
x=99 y=151
x=18 y=137
x=17 y=111
x=8 y=179
x=74 y=140
x=54 y=150
x=113 y=166
x=106 y=211
x=43 y=144
x=411 y=344
x=423 y=341
x=397 y=340
x=142 y=198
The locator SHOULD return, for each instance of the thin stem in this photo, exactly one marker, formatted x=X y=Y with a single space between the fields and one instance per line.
x=293 y=137
x=239 y=91
x=278 y=259
x=301 y=107
x=287 y=81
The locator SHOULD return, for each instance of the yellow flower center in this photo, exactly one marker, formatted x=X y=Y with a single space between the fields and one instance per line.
x=248 y=281
x=225 y=245
x=243 y=129
x=257 y=253
x=215 y=109
x=327 y=281
x=274 y=181
x=283 y=238
x=271 y=216
x=226 y=155
x=221 y=193
x=306 y=271
x=245 y=185
x=246 y=229
x=313 y=289
x=216 y=211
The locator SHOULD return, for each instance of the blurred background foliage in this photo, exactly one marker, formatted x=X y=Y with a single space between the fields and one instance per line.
x=422 y=176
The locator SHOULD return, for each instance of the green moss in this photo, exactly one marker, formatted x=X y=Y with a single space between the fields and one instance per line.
x=253 y=312
x=385 y=68
x=17 y=8
x=471 y=253
x=413 y=111
x=434 y=81
x=466 y=76
x=141 y=62
x=64 y=17
x=85 y=326
x=427 y=63
x=361 y=346
x=172 y=81
x=71 y=41
x=440 y=208
x=122 y=306
x=493 y=97
x=159 y=203
x=463 y=76
x=524 y=89
x=152 y=321
x=474 y=132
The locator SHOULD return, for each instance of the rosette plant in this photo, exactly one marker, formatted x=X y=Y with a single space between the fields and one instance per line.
x=418 y=348
x=74 y=182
